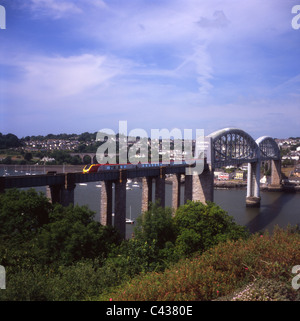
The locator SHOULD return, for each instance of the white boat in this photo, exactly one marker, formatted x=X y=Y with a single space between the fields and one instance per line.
x=129 y=220
x=135 y=184
x=83 y=184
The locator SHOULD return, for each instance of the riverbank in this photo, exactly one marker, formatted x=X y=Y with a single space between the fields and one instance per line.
x=230 y=184
x=285 y=187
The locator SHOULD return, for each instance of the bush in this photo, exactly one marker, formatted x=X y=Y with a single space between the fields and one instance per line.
x=199 y=227
x=22 y=214
x=83 y=280
x=155 y=224
x=73 y=234
x=265 y=260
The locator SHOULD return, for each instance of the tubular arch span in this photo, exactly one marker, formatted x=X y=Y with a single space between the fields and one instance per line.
x=233 y=146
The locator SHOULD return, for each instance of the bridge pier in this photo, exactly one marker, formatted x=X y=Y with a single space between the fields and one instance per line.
x=67 y=196
x=253 y=185
x=275 y=175
x=160 y=188
x=120 y=203
x=62 y=194
x=120 y=207
x=200 y=187
x=146 y=193
x=176 y=185
x=106 y=203
x=53 y=192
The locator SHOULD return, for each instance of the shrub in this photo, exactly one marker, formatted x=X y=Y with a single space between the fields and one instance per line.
x=201 y=226
x=22 y=214
x=155 y=224
x=73 y=234
x=222 y=269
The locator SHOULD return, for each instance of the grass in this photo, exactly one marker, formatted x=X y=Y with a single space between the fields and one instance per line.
x=259 y=268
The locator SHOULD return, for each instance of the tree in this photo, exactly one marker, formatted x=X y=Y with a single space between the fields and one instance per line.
x=9 y=141
x=155 y=224
x=28 y=156
x=73 y=234
x=199 y=226
x=22 y=213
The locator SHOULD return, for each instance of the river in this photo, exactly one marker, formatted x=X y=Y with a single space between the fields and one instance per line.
x=277 y=208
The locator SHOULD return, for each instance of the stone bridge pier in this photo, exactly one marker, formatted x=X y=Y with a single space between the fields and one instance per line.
x=200 y=187
x=62 y=193
x=275 y=175
x=253 y=185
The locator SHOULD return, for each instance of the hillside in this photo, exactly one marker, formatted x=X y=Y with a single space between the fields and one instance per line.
x=256 y=269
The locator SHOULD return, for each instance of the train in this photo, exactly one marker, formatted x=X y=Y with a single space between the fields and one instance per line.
x=95 y=168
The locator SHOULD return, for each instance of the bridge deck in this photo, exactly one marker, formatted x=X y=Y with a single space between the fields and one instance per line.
x=78 y=177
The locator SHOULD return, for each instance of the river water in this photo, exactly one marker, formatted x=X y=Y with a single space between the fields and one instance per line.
x=277 y=208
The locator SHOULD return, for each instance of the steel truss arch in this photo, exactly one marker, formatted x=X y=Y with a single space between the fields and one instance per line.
x=232 y=146
x=268 y=148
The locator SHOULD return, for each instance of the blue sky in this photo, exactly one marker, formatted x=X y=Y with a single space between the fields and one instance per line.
x=83 y=65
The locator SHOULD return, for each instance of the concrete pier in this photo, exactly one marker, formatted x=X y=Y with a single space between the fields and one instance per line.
x=200 y=187
x=160 y=188
x=146 y=193
x=106 y=203
x=275 y=176
x=176 y=186
x=253 y=185
x=120 y=207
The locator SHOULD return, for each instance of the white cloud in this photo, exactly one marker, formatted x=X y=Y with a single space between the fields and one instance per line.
x=54 y=8
x=49 y=78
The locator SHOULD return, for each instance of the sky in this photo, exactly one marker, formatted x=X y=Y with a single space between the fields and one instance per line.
x=84 y=65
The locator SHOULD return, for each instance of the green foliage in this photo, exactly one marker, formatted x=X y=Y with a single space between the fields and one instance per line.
x=63 y=157
x=134 y=257
x=201 y=226
x=22 y=213
x=261 y=265
x=9 y=141
x=155 y=224
x=73 y=234
x=61 y=253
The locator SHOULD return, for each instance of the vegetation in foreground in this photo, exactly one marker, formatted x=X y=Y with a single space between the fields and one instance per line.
x=256 y=269
x=56 y=253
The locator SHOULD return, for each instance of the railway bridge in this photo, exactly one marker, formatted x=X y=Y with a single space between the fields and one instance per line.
x=229 y=146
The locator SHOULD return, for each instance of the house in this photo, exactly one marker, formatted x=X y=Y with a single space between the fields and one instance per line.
x=240 y=175
x=223 y=176
x=47 y=159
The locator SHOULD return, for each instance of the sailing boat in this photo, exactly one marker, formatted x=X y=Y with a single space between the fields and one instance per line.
x=135 y=184
x=129 y=220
